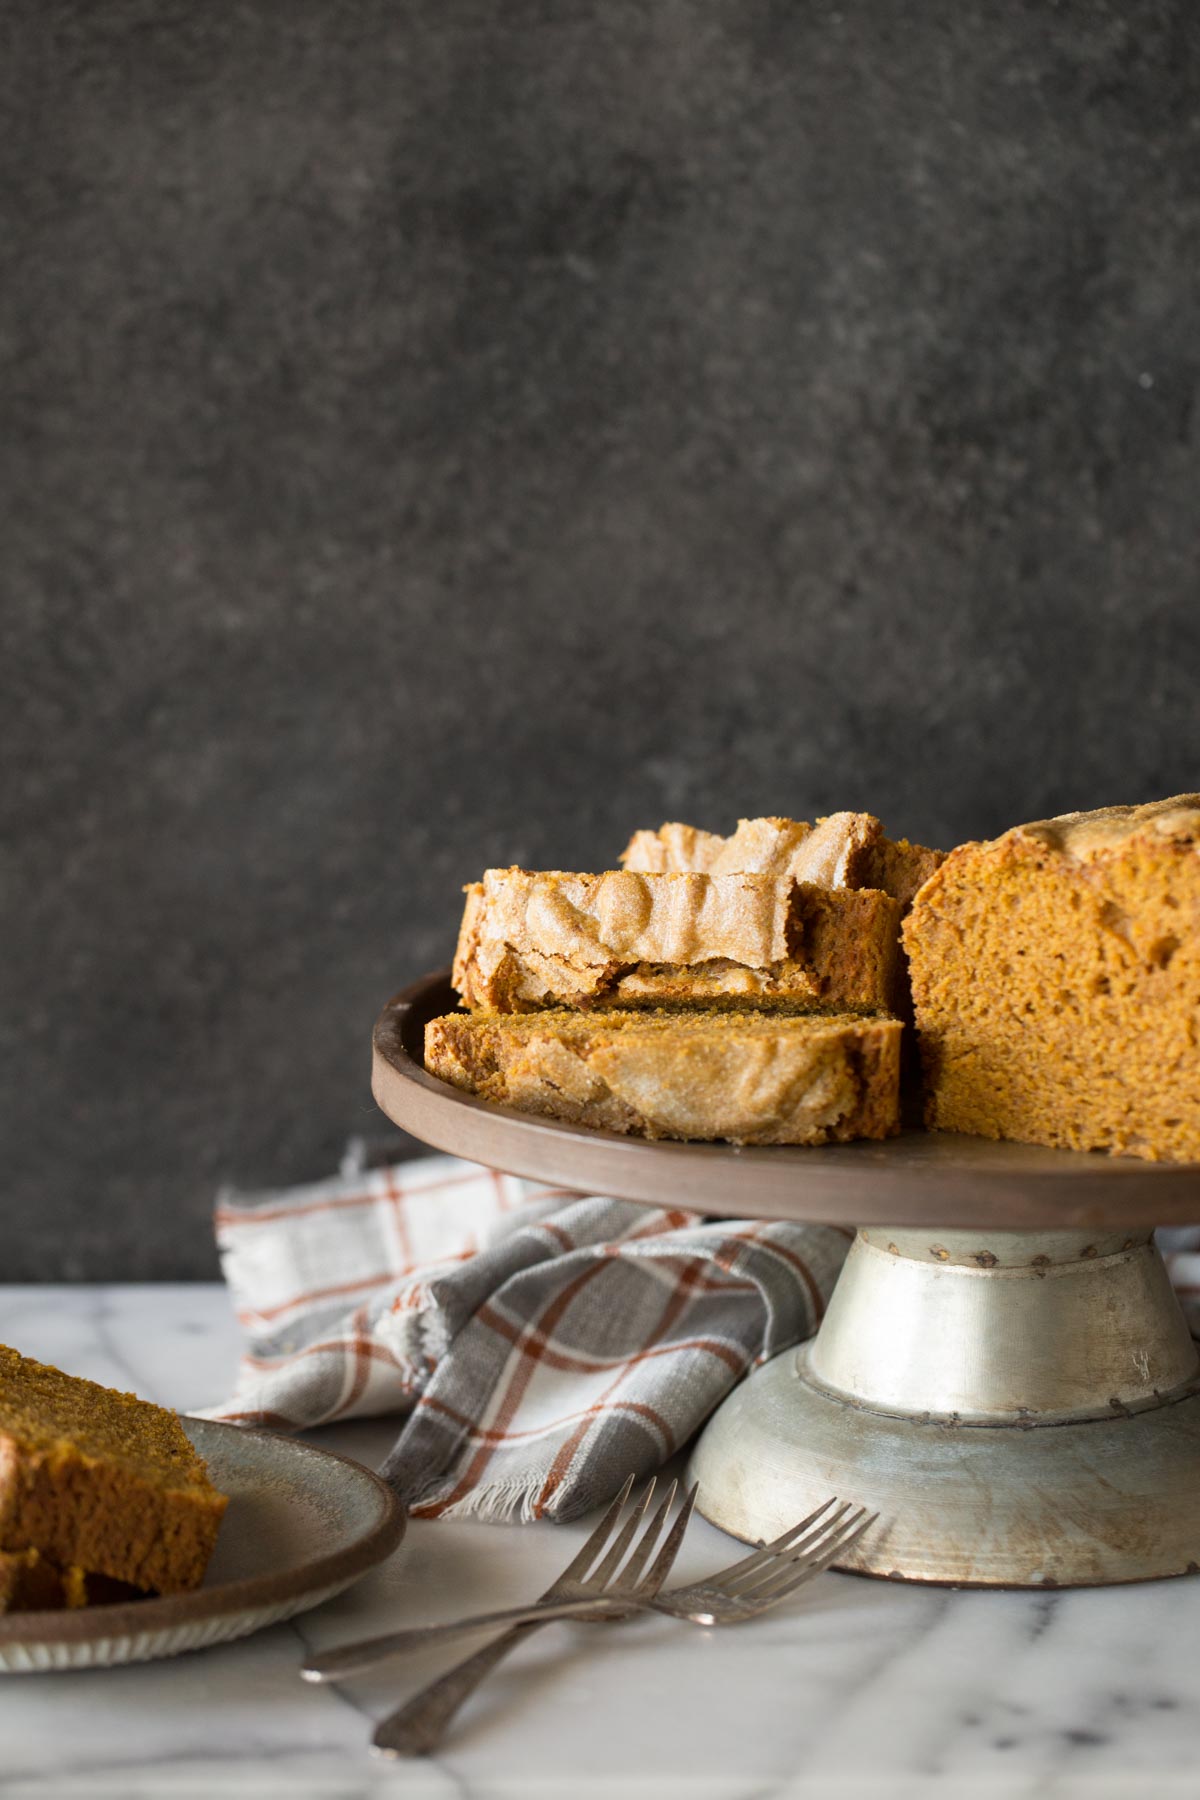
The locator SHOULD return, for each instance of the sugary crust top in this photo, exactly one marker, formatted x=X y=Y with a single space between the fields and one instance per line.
x=676 y=918
x=672 y=847
x=823 y=853
x=844 y=850
x=1086 y=837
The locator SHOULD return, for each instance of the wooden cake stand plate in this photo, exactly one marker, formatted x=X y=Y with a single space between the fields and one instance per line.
x=1003 y=1373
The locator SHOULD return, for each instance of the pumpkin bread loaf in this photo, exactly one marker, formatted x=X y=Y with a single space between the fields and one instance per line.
x=100 y=1481
x=628 y=938
x=1056 y=980
x=750 y=1077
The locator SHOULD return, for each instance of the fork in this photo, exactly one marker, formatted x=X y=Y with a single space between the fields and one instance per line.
x=418 y=1726
x=742 y=1591
x=616 y=1593
x=749 y=1587
x=760 y=1581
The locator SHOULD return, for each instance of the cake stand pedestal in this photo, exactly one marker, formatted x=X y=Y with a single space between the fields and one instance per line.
x=1021 y=1408
x=1004 y=1373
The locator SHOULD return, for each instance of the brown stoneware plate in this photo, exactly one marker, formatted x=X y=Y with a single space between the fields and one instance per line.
x=301 y=1525
x=920 y=1178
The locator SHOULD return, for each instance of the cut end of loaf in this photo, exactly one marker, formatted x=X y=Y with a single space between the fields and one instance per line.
x=1056 y=983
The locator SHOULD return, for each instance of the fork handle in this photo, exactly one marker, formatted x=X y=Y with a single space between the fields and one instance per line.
x=418 y=1727
x=352 y=1659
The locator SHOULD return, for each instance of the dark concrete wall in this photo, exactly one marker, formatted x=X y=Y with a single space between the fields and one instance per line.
x=443 y=434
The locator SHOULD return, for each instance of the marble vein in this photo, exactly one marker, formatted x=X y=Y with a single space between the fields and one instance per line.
x=857 y=1690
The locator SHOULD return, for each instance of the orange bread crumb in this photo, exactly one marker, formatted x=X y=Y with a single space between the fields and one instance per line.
x=101 y=1481
x=1056 y=981
x=30 y=1582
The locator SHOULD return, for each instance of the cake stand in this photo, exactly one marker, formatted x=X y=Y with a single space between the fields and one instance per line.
x=1003 y=1373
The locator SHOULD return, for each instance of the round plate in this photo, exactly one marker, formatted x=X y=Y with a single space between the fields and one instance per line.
x=920 y=1178
x=301 y=1525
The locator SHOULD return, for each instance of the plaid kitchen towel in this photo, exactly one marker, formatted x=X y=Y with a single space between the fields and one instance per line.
x=542 y=1345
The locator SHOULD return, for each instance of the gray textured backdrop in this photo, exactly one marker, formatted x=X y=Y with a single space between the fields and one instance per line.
x=445 y=433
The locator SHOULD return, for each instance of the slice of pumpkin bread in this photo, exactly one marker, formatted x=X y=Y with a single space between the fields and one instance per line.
x=628 y=938
x=750 y=1077
x=1056 y=979
x=101 y=1481
x=845 y=850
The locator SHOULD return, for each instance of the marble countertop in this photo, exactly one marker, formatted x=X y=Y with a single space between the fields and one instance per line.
x=856 y=1690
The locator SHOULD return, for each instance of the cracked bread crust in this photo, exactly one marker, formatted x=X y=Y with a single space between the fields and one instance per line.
x=749 y=1078
x=1056 y=979
x=629 y=938
x=832 y=852
x=1090 y=836
x=673 y=848
x=844 y=850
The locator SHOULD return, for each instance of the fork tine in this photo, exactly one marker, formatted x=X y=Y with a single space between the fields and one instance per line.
x=795 y=1574
x=767 y=1552
x=828 y=1532
x=734 y=1579
x=829 y=1555
x=645 y=1544
x=601 y=1574
x=583 y=1561
x=803 y=1546
x=660 y=1568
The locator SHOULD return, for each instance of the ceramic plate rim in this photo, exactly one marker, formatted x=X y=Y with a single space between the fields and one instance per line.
x=164 y=1613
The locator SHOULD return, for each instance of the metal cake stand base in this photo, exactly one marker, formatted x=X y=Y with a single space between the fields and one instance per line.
x=1021 y=1408
x=1020 y=1400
